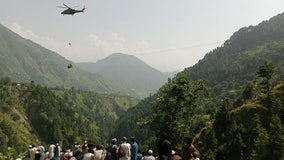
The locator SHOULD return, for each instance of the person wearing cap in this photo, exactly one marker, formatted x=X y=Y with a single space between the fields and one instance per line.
x=51 y=151
x=149 y=155
x=57 y=152
x=28 y=156
x=175 y=156
x=113 y=149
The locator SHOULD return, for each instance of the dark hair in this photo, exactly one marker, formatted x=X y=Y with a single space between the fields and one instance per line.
x=166 y=148
x=189 y=140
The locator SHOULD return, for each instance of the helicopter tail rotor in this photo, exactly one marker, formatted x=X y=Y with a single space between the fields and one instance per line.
x=83 y=9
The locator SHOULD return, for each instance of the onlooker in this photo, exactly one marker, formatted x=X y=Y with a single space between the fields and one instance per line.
x=98 y=153
x=42 y=150
x=32 y=152
x=125 y=146
x=78 y=154
x=108 y=153
x=133 y=149
x=37 y=155
x=187 y=149
x=164 y=148
x=51 y=151
x=113 y=149
x=149 y=155
x=88 y=155
x=175 y=156
x=57 y=152
x=195 y=155
x=139 y=155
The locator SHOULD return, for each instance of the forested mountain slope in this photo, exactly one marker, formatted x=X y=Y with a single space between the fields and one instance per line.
x=25 y=61
x=33 y=114
x=233 y=64
x=230 y=72
x=129 y=71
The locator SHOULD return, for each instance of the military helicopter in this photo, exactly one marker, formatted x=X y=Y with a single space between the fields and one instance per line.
x=70 y=10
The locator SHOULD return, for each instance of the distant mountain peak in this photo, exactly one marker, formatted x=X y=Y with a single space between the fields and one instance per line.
x=124 y=58
x=129 y=71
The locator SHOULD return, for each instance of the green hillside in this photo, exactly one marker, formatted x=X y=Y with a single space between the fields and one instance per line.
x=33 y=114
x=234 y=63
x=191 y=104
x=24 y=61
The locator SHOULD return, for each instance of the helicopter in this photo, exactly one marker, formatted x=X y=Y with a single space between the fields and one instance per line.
x=70 y=10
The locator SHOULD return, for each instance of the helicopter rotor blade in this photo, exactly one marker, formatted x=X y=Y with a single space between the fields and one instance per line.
x=75 y=6
x=61 y=7
x=66 y=5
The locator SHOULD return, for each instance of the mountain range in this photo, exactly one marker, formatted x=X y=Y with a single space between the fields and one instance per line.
x=25 y=61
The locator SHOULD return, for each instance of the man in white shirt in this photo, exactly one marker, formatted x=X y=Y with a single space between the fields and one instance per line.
x=125 y=146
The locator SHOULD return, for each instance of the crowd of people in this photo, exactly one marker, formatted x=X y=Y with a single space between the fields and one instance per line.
x=126 y=149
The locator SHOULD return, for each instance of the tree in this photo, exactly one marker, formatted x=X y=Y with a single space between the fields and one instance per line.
x=206 y=142
x=173 y=109
x=261 y=138
x=266 y=71
x=278 y=101
x=276 y=139
x=222 y=121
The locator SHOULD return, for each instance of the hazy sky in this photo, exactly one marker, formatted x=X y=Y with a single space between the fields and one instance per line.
x=168 y=35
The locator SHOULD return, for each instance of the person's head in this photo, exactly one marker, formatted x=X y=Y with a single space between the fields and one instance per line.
x=124 y=139
x=98 y=147
x=132 y=139
x=90 y=150
x=113 y=141
x=166 y=148
x=195 y=154
x=150 y=152
x=189 y=140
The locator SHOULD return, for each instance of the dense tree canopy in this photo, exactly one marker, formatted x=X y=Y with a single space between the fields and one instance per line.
x=175 y=107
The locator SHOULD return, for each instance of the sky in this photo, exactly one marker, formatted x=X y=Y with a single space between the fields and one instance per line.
x=168 y=35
